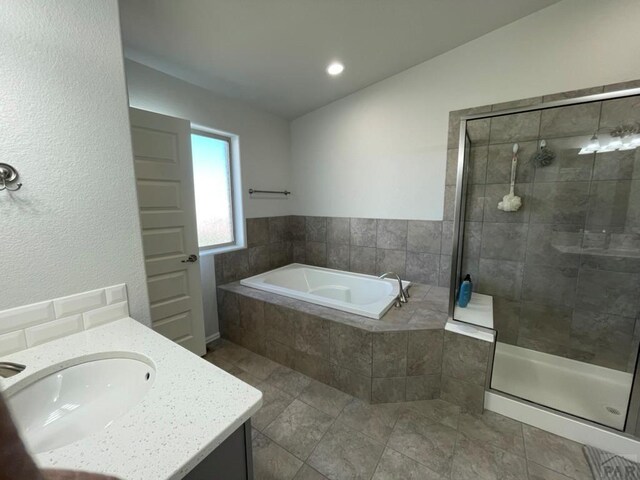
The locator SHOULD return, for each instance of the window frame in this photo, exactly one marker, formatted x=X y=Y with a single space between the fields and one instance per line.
x=234 y=242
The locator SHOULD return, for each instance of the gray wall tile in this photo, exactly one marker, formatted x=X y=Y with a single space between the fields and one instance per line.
x=363 y=232
x=424 y=236
x=316 y=229
x=297 y=228
x=547 y=285
x=259 y=259
x=338 y=230
x=573 y=94
x=316 y=254
x=452 y=166
x=351 y=348
x=362 y=260
x=351 y=382
x=501 y=278
x=515 y=128
x=257 y=231
x=622 y=111
x=478 y=164
x=560 y=202
x=568 y=165
x=608 y=203
x=447 y=238
x=423 y=267
x=499 y=162
x=423 y=387
x=618 y=165
x=392 y=234
x=424 y=352
x=469 y=396
x=554 y=245
x=390 y=354
x=478 y=131
x=278 y=229
x=619 y=297
x=388 y=390
x=504 y=241
x=391 y=261
x=569 y=121
x=312 y=335
x=474 y=209
x=506 y=319
x=338 y=256
x=540 y=323
x=465 y=358
x=281 y=324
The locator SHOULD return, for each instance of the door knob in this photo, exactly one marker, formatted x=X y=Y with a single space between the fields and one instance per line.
x=191 y=259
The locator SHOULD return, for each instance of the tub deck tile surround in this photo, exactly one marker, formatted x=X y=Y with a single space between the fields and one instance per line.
x=405 y=356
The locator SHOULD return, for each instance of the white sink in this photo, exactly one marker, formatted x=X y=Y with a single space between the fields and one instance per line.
x=73 y=402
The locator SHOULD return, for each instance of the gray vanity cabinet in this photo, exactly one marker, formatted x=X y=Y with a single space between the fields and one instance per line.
x=232 y=460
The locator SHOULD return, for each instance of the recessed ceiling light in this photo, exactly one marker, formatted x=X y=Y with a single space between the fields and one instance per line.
x=335 y=68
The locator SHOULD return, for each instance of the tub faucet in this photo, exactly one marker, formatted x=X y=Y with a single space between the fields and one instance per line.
x=9 y=369
x=402 y=296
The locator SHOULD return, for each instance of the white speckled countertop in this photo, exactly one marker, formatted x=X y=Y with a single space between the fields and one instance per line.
x=191 y=408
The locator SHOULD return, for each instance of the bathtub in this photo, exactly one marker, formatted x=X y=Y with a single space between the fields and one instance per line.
x=364 y=295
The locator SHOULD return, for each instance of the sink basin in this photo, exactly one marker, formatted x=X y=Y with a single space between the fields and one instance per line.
x=74 y=402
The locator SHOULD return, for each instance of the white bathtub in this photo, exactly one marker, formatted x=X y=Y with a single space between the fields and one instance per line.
x=364 y=295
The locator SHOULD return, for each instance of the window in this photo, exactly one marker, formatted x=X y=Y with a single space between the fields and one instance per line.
x=213 y=189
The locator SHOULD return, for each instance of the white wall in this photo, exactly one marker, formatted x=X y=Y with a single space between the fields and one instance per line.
x=264 y=137
x=381 y=152
x=74 y=225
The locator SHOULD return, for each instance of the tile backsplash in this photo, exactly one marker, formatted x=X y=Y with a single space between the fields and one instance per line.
x=417 y=250
x=31 y=325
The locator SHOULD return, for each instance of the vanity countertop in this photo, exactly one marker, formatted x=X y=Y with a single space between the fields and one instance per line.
x=191 y=408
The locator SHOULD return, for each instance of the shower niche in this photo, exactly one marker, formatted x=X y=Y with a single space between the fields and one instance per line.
x=544 y=194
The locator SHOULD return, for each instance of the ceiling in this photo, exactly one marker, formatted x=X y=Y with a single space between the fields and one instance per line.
x=273 y=53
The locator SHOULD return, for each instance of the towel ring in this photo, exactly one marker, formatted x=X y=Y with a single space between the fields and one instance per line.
x=8 y=175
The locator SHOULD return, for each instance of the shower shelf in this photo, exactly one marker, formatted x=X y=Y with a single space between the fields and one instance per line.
x=478 y=312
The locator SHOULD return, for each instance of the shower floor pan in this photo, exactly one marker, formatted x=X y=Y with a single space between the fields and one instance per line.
x=588 y=391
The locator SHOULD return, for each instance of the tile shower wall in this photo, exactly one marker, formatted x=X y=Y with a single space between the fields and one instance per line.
x=417 y=250
x=564 y=270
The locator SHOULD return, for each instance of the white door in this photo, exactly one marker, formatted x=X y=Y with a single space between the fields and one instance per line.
x=164 y=177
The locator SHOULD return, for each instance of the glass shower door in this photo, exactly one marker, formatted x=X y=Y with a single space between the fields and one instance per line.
x=564 y=267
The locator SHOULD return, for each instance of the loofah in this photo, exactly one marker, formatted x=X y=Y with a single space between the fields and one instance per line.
x=510 y=203
x=544 y=156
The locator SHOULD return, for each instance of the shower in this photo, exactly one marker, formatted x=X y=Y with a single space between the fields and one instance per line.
x=564 y=268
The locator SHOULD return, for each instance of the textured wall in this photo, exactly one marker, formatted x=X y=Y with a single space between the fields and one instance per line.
x=74 y=226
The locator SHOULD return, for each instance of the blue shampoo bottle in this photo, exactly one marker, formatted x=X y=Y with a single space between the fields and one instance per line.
x=464 y=294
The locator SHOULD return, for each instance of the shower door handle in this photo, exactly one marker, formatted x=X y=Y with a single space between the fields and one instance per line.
x=191 y=259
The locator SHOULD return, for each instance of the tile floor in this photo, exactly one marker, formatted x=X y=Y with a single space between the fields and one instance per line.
x=307 y=430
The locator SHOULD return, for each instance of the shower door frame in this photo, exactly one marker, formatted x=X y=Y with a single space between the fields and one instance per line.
x=464 y=142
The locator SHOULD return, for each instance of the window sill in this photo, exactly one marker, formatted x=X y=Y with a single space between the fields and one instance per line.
x=216 y=250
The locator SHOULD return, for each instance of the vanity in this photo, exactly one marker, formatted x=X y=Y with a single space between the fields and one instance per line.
x=122 y=400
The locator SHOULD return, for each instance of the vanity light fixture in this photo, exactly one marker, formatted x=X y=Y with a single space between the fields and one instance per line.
x=335 y=68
